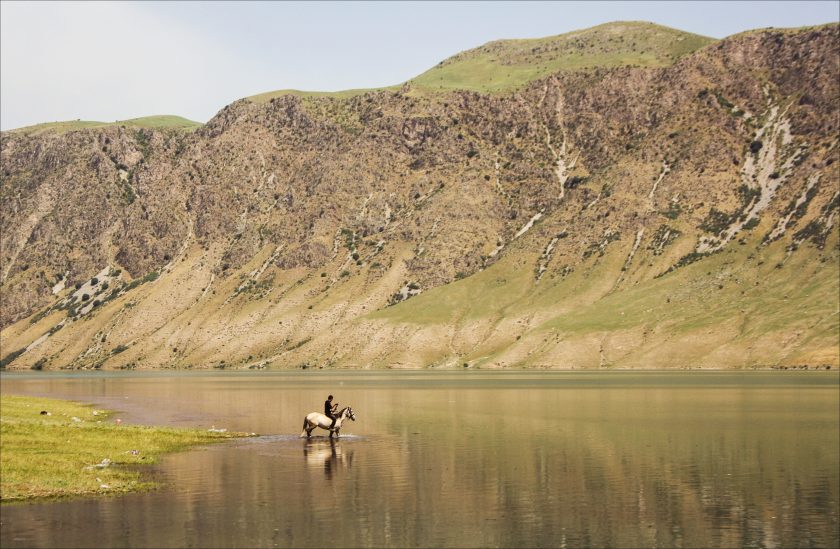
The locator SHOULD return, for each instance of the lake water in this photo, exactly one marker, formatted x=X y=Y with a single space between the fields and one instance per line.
x=513 y=459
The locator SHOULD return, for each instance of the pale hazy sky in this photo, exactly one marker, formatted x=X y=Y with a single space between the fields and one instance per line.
x=109 y=61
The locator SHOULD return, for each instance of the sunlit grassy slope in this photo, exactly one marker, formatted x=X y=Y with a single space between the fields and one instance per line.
x=161 y=121
x=750 y=305
x=508 y=64
x=746 y=300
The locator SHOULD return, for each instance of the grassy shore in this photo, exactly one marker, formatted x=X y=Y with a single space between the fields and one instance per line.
x=78 y=450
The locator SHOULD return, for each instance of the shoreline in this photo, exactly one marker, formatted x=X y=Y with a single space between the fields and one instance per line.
x=517 y=369
x=54 y=449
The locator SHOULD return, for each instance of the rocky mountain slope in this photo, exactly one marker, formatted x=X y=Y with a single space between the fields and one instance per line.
x=671 y=203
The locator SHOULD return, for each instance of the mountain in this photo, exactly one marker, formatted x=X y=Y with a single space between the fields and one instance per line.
x=628 y=196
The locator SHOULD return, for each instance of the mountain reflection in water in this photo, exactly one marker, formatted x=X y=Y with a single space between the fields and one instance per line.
x=521 y=459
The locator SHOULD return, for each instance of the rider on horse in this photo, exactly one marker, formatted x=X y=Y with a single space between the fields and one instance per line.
x=331 y=419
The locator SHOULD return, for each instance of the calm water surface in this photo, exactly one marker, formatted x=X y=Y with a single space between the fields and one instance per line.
x=521 y=459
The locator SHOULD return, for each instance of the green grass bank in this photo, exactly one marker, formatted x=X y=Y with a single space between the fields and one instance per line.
x=79 y=450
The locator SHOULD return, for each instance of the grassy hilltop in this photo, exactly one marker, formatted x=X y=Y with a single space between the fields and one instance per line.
x=509 y=64
x=504 y=65
x=150 y=122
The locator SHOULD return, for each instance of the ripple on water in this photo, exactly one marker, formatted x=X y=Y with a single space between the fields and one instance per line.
x=508 y=461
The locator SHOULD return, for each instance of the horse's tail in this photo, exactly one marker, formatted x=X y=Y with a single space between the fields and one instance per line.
x=303 y=433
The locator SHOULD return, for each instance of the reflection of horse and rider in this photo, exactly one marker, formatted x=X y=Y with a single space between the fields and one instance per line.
x=331 y=419
x=327 y=454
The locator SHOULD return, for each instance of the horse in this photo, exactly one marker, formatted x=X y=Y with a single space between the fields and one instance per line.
x=317 y=419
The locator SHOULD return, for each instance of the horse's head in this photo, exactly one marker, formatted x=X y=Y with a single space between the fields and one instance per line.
x=349 y=413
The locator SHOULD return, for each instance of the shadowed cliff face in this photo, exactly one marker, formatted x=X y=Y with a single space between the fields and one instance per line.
x=419 y=227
